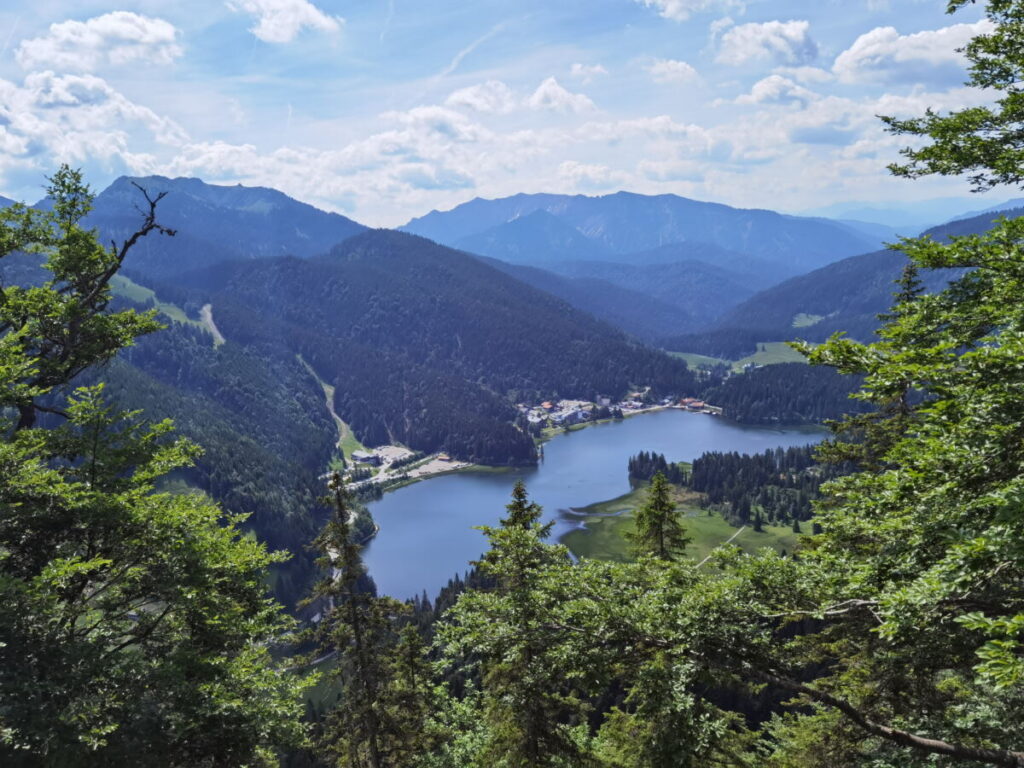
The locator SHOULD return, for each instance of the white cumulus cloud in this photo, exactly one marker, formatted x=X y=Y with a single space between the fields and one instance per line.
x=492 y=97
x=114 y=38
x=776 y=89
x=931 y=56
x=588 y=175
x=681 y=10
x=587 y=72
x=280 y=21
x=78 y=118
x=785 y=42
x=551 y=95
x=671 y=71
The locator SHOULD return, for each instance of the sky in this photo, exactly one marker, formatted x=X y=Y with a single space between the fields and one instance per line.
x=386 y=109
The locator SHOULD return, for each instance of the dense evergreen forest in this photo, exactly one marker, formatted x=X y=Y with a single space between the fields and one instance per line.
x=135 y=622
x=776 y=486
x=725 y=343
x=646 y=464
x=787 y=393
x=446 y=344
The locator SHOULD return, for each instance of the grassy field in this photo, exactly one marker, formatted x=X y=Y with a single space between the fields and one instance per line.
x=347 y=440
x=606 y=524
x=769 y=353
x=694 y=360
x=132 y=291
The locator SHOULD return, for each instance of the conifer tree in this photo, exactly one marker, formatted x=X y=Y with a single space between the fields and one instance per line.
x=357 y=626
x=527 y=700
x=659 y=531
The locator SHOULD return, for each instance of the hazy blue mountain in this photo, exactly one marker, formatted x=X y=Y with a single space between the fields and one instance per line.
x=625 y=222
x=538 y=238
x=634 y=312
x=5 y=201
x=845 y=296
x=879 y=232
x=479 y=215
x=1009 y=205
x=703 y=291
x=215 y=224
x=907 y=218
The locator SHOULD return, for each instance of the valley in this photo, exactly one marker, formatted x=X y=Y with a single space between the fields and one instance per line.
x=512 y=385
x=392 y=331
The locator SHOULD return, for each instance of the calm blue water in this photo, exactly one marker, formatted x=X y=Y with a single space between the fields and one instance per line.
x=426 y=529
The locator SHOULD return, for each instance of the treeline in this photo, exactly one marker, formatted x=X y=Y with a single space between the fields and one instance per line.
x=726 y=343
x=646 y=464
x=787 y=393
x=430 y=347
x=777 y=486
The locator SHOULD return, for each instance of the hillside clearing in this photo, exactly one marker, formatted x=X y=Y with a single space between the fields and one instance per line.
x=604 y=525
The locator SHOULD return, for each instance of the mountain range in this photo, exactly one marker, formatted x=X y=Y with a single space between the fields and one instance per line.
x=846 y=296
x=593 y=228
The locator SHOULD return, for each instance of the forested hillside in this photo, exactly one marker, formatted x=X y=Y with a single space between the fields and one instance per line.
x=632 y=311
x=787 y=393
x=429 y=346
x=261 y=421
x=845 y=296
x=650 y=301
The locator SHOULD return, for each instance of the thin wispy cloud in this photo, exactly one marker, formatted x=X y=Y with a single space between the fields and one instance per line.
x=458 y=57
x=387 y=20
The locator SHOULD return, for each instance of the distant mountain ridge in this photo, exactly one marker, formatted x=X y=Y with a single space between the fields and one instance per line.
x=532 y=239
x=634 y=312
x=625 y=223
x=215 y=224
x=846 y=296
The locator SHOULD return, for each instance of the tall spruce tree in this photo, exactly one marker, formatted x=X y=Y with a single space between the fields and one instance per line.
x=382 y=716
x=659 y=531
x=529 y=705
x=134 y=624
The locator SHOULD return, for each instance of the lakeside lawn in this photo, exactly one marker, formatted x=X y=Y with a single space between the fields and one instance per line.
x=606 y=524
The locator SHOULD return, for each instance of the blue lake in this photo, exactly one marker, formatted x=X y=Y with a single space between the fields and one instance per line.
x=426 y=529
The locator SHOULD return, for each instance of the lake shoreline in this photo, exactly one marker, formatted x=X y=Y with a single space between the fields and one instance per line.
x=428 y=531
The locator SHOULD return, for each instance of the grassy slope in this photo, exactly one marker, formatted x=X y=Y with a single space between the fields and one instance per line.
x=772 y=352
x=347 y=440
x=693 y=360
x=769 y=353
x=604 y=537
x=132 y=291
